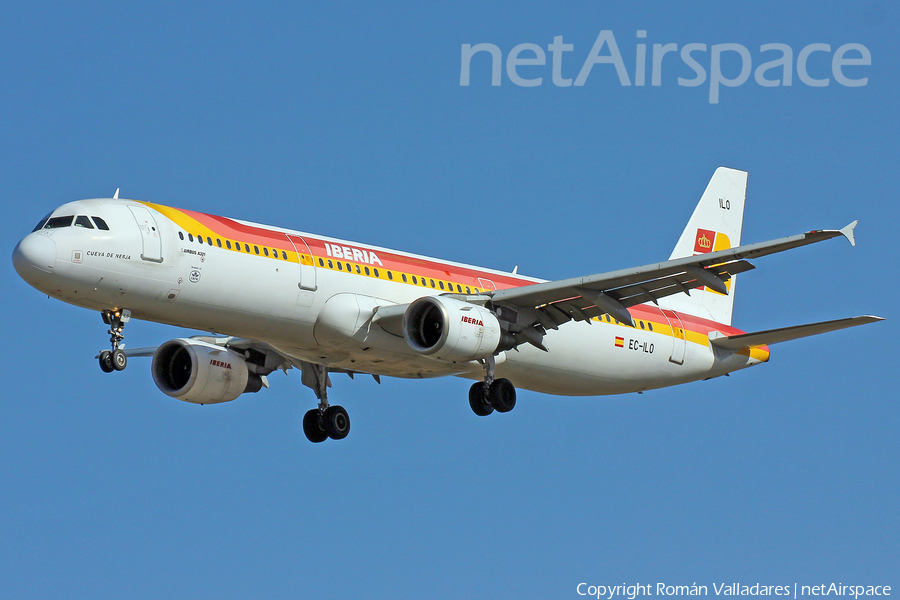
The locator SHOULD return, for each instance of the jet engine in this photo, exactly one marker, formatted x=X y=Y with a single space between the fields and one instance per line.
x=452 y=330
x=201 y=373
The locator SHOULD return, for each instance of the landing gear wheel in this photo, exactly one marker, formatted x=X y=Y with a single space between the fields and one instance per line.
x=478 y=400
x=336 y=422
x=106 y=364
x=118 y=359
x=502 y=395
x=311 y=427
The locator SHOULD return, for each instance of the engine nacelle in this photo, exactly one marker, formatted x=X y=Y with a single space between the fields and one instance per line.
x=452 y=330
x=201 y=373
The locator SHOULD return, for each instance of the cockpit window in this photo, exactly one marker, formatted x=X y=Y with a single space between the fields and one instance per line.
x=57 y=222
x=83 y=221
x=42 y=222
x=101 y=224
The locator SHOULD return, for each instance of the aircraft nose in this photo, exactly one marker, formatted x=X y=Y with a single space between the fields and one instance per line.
x=34 y=256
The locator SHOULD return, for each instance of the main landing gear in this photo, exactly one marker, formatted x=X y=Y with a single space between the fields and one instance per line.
x=326 y=421
x=115 y=359
x=492 y=394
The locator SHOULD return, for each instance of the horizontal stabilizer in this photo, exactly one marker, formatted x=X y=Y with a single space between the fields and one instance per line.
x=785 y=334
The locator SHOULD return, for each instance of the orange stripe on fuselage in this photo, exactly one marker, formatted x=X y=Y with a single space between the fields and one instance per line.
x=214 y=227
x=696 y=329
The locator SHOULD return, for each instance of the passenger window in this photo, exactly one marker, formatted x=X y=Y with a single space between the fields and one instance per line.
x=390 y=275
x=330 y=265
x=209 y=240
x=265 y=251
x=441 y=283
x=367 y=270
x=200 y=238
x=459 y=288
x=432 y=282
x=321 y=263
x=274 y=253
x=218 y=242
x=191 y=237
x=228 y=244
x=42 y=222
x=349 y=268
x=180 y=236
x=247 y=248
x=375 y=271
x=649 y=325
x=58 y=222
x=83 y=221
x=284 y=255
x=100 y=223
x=340 y=266
x=468 y=291
x=403 y=275
x=415 y=281
x=357 y=269
x=256 y=249
x=642 y=324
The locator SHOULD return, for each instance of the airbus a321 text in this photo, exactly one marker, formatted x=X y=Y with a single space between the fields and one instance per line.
x=276 y=298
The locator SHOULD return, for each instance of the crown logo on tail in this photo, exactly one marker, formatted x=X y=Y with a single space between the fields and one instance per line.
x=704 y=241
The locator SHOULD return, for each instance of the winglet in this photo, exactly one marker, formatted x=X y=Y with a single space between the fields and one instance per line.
x=847 y=232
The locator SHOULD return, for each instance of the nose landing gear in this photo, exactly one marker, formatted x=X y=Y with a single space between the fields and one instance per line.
x=115 y=359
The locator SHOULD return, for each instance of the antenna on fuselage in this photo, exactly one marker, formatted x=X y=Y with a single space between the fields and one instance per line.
x=116 y=195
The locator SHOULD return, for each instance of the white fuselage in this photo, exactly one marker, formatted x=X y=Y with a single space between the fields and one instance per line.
x=304 y=306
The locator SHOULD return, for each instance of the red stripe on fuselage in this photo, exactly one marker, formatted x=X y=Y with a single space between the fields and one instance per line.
x=421 y=267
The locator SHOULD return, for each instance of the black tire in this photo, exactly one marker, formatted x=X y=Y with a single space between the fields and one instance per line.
x=478 y=401
x=106 y=364
x=311 y=427
x=119 y=360
x=336 y=422
x=503 y=395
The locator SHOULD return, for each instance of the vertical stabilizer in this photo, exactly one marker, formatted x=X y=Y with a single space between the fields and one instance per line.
x=715 y=225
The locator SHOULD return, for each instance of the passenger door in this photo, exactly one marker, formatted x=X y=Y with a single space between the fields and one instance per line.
x=152 y=244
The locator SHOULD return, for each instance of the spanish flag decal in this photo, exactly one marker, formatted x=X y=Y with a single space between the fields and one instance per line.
x=620 y=342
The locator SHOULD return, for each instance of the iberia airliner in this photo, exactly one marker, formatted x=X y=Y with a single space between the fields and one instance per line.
x=275 y=298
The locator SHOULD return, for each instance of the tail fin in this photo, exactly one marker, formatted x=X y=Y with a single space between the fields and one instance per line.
x=715 y=225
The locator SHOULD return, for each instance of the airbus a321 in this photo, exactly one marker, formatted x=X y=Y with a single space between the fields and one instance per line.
x=276 y=298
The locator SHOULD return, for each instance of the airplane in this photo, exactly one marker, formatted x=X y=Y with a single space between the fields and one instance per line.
x=274 y=298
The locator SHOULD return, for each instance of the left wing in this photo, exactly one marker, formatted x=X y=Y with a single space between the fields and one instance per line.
x=533 y=309
x=262 y=358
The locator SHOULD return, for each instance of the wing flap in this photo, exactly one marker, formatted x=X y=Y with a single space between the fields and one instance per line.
x=785 y=334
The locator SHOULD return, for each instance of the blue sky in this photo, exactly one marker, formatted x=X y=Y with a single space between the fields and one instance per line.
x=350 y=121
